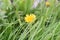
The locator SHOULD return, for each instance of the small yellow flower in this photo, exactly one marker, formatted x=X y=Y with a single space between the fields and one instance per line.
x=47 y=3
x=30 y=18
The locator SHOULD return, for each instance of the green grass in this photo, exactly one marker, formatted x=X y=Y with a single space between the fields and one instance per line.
x=13 y=26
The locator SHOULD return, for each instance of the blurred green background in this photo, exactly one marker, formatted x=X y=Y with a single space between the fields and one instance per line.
x=14 y=27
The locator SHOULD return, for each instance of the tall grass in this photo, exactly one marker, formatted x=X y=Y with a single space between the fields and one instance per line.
x=14 y=27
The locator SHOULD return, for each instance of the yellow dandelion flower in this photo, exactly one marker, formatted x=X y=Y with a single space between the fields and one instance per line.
x=30 y=18
x=47 y=4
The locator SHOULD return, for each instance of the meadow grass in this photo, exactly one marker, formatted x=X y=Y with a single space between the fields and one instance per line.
x=13 y=25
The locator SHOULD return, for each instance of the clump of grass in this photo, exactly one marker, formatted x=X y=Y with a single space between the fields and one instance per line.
x=13 y=26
